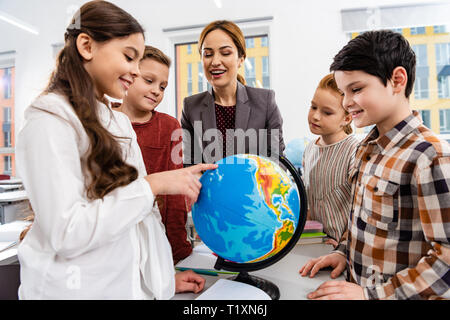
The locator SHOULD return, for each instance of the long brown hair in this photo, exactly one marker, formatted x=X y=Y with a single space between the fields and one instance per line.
x=233 y=31
x=329 y=83
x=102 y=21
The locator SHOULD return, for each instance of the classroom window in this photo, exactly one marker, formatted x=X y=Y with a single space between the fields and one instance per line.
x=426 y=117
x=444 y=87
x=250 y=43
x=7 y=80
x=422 y=72
x=417 y=30
x=201 y=77
x=7 y=83
x=250 y=74
x=439 y=29
x=7 y=139
x=421 y=88
x=264 y=42
x=190 y=78
x=444 y=121
x=265 y=72
x=7 y=165
x=7 y=115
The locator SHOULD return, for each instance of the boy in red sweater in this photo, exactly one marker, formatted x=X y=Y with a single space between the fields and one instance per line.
x=154 y=132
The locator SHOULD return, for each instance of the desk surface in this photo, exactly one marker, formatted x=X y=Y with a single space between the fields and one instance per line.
x=13 y=196
x=284 y=274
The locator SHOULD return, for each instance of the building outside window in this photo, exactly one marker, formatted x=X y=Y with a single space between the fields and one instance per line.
x=264 y=42
x=250 y=43
x=443 y=69
x=439 y=29
x=7 y=160
x=417 y=30
x=250 y=75
x=189 y=79
x=444 y=121
x=426 y=118
x=7 y=83
x=422 y=72
x=7 y=79
x=265 y=72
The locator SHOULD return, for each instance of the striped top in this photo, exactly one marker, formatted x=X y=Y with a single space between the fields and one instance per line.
x=327 y=186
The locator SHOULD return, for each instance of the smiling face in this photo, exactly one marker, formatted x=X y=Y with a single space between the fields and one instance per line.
x=220 y=59
x=147 y=92
x=326 y=116
x=366 y=98
x=113 y=65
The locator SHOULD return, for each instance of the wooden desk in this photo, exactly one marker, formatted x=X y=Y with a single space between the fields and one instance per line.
x=285 y=274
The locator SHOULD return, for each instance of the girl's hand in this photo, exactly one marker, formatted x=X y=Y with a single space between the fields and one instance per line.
x=335 y=260
x=182 y=181
x=188 y=281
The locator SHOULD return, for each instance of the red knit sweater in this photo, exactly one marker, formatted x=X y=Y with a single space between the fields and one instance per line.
x=155 y=140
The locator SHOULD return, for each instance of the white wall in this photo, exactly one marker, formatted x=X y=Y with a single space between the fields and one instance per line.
x=304 y=37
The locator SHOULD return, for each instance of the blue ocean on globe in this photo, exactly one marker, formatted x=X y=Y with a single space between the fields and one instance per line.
x=247 y=210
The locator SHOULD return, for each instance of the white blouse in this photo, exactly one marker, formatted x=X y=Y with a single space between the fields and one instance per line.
x=114 y=248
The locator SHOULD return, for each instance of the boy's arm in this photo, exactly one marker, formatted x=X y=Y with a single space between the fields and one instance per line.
x=430 y=278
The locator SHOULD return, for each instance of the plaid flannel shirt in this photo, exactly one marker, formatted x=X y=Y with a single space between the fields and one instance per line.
x=397 y=242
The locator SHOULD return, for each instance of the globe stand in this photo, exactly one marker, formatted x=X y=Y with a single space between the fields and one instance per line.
x=265 y=285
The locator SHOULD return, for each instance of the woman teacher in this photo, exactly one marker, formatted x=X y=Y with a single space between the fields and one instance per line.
x=230 y=118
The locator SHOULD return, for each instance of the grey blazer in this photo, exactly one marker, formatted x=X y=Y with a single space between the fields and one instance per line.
x=258 y=126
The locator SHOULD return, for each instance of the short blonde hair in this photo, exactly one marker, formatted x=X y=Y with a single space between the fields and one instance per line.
x=328 y=83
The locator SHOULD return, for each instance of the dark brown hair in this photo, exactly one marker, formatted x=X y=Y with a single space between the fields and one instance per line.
x=157 y=55
x=233 y=31
x=328 y=83
x=378 y=53
x=102 y=21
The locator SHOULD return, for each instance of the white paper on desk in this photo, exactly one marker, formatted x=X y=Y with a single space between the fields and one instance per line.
x=7 y=245
x=198 y=261
x=202 y=249
x=232 y=290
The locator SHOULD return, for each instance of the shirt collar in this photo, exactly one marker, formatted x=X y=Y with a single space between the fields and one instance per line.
x=396 y=134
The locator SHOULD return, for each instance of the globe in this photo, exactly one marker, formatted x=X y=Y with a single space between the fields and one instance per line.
x=248 y=209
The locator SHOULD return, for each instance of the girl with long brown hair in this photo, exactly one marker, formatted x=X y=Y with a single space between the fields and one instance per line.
x=97 y=233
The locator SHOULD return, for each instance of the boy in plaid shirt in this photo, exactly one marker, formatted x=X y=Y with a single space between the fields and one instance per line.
x=397 y=242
